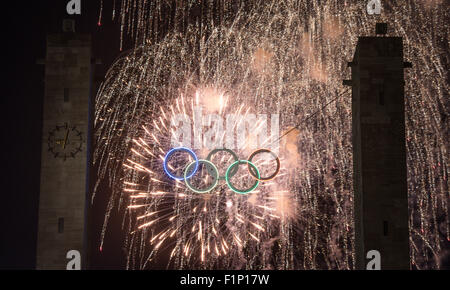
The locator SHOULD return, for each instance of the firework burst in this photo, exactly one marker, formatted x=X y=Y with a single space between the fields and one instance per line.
x=199 y=227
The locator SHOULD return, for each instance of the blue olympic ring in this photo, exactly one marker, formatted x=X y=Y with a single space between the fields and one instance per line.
x=170 y=153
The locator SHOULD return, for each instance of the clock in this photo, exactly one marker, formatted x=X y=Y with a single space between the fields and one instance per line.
x=65 y=141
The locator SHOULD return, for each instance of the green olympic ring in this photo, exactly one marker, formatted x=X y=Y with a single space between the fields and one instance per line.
x=248 y=190
x=215 y=174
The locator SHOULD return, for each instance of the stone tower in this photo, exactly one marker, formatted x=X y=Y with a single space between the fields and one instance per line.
x=64 y=159
x=379 y=151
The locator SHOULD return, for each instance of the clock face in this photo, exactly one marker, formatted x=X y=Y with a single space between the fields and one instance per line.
x=65 y=141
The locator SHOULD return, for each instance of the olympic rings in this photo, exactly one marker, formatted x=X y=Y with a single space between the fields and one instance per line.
x=277 y=170
x=214 y=172
x=170 y=153
x=211 y=187
x=248 y=190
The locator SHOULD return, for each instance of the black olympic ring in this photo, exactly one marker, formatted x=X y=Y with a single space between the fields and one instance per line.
x=251 y=170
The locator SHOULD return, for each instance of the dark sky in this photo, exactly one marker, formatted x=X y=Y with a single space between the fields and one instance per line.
x=25 y=25
x=24 y=28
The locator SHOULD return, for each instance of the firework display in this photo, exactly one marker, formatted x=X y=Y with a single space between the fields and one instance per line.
x=222 y=75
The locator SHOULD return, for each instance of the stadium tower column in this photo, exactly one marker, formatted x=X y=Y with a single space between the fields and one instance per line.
x=379 y=151
x=65 y=149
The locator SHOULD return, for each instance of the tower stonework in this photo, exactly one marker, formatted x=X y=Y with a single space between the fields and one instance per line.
x=379 y=152
x=64 y=162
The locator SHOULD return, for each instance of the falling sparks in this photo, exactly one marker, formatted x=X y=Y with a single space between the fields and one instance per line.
x=286 y=57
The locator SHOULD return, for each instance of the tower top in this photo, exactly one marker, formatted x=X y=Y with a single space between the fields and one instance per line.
x=381 y=28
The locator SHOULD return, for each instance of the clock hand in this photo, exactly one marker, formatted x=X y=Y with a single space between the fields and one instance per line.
x=65 y=139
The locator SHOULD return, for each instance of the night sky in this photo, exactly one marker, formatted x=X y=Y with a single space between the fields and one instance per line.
x=25 y=25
